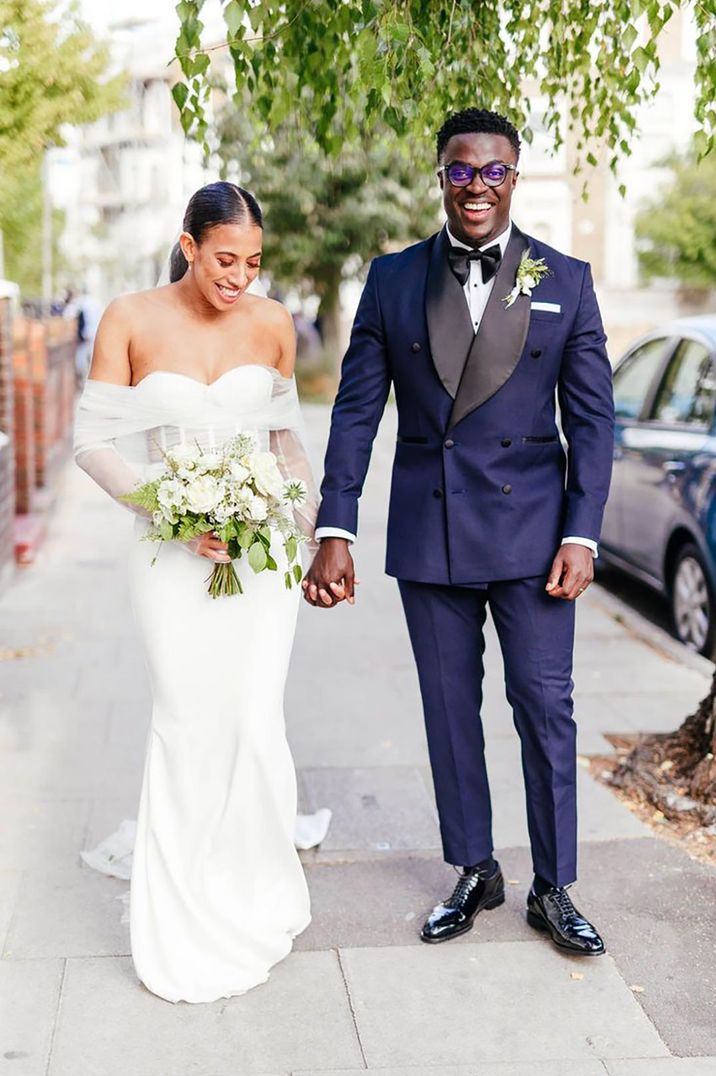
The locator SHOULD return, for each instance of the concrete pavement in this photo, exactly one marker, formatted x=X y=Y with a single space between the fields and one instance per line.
x=359 y=993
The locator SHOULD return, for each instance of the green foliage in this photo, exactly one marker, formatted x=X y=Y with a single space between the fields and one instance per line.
x=52 y=72
x=327 y=217
x=677 y=228
x=21 y=227
x=340 y=68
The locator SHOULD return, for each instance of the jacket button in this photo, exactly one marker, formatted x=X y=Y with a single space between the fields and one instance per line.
x=536 y=352
x=507 y=488
x=449 y=444
x=415 y=347
x=505 y=442
x=438 y=493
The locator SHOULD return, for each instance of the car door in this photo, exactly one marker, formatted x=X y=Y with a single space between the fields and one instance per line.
x=661 y=454
x=635 y=380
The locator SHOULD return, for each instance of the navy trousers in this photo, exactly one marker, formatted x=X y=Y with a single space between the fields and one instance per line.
x=536 y=636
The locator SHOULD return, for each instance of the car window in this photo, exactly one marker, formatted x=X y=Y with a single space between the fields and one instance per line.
x=634 y=377
x=688 y=391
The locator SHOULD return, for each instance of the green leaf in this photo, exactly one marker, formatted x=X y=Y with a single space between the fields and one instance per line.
x=180 y=92
x=287 y=580
x=640 y=59
x=166 y=530
x=200 y=64
x=258 y=557
x=297 y=572
x=291 y=549
x=233 y=17
x=629 y=37
x=245 y=535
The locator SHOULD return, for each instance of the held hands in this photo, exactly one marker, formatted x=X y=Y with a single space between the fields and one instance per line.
x=571 y=573
x=331 y=577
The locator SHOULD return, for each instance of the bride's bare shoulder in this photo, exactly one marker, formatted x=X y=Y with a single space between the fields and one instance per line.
x=134 y=305
x=269 y=312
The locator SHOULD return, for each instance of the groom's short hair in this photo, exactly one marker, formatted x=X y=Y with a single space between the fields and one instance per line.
x=477 y=121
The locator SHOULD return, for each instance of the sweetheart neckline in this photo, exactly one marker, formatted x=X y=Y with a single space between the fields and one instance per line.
x=209 y=384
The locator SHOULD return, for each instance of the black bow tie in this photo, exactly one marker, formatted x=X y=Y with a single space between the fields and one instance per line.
x=460 y=262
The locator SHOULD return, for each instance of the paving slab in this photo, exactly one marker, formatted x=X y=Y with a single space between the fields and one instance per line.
x=379 y=807
x=491 y=1068
x=492 y=1002
x=29 y=991
x=653 y=711
x=9 y=885
x=63 y=773
x=657 y=908
x=612 y=665
x=602 y=816
x=72 y=912
x=299 y=1018
x=41 y=834
x=385 y=901
x=671 y=1066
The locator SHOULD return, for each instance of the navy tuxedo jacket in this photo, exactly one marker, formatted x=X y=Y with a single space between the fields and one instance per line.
x=482 y=489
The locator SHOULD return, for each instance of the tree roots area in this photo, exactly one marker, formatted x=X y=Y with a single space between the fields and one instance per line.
x=669 y=779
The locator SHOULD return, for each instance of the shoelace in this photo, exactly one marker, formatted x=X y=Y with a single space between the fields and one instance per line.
x=563 y=901
x=464 y=887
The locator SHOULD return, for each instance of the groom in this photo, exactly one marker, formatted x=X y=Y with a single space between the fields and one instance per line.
x=485 y=506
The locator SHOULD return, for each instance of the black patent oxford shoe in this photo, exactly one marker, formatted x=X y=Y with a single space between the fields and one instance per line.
x=473 y=893
x=555 y=914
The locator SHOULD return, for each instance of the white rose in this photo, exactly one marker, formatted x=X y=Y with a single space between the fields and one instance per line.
x=203 y=494
x=184 y=455
x=266 y=474
x=170 y=493
x=258 y=509
x=238 y=472
x=209 y=461
x=529 y=281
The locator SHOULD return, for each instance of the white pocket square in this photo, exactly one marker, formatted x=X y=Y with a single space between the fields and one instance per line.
x=552 y=308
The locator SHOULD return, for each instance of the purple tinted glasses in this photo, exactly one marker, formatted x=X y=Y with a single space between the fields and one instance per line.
x=492 y=174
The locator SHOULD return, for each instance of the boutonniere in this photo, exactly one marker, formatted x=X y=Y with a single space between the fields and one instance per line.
x=530 y=272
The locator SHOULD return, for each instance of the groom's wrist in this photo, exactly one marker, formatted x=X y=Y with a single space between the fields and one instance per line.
x=323 y=533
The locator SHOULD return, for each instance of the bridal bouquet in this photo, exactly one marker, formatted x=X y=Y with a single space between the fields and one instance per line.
x=236 y=492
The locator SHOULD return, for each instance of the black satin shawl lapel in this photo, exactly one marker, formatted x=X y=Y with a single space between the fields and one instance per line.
x=450 y=329
x=500 y=339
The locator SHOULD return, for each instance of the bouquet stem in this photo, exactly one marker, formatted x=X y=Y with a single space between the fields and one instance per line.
x=223 y=581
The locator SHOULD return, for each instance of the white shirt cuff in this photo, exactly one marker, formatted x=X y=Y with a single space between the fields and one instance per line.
x=571 y=540
x=333 y=532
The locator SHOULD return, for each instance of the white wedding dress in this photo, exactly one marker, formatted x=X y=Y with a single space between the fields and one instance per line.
x=217 y=888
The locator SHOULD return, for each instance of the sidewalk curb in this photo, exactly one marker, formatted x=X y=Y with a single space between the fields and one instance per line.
x=649 y=633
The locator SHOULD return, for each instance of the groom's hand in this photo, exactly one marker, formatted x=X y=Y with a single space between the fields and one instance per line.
x=571 y=573
x=331 y=577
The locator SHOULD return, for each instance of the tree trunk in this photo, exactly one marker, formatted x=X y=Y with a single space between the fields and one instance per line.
x=676 y=771
x=329 y=313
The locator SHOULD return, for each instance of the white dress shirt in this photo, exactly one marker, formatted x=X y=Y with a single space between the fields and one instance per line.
x=477 y=292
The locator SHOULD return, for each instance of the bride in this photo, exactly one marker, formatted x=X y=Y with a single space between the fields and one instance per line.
x=217 y=889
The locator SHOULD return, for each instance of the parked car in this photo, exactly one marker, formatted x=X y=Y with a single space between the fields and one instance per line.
x=660 y=521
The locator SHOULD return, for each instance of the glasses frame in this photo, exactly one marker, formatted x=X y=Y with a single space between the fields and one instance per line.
x=477 y=172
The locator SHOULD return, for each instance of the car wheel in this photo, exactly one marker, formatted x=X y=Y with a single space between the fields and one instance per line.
x=693 y=609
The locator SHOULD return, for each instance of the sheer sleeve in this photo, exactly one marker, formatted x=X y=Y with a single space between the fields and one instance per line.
x=104 y=464
x=293 y=462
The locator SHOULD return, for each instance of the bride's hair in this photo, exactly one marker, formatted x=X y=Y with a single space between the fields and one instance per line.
x=216 y=203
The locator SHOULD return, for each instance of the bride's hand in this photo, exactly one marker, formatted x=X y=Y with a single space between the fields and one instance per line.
x=209 y=546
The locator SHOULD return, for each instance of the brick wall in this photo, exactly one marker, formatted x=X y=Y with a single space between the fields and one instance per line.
x=26 y=336
x=7 y=455
x=44 y=364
